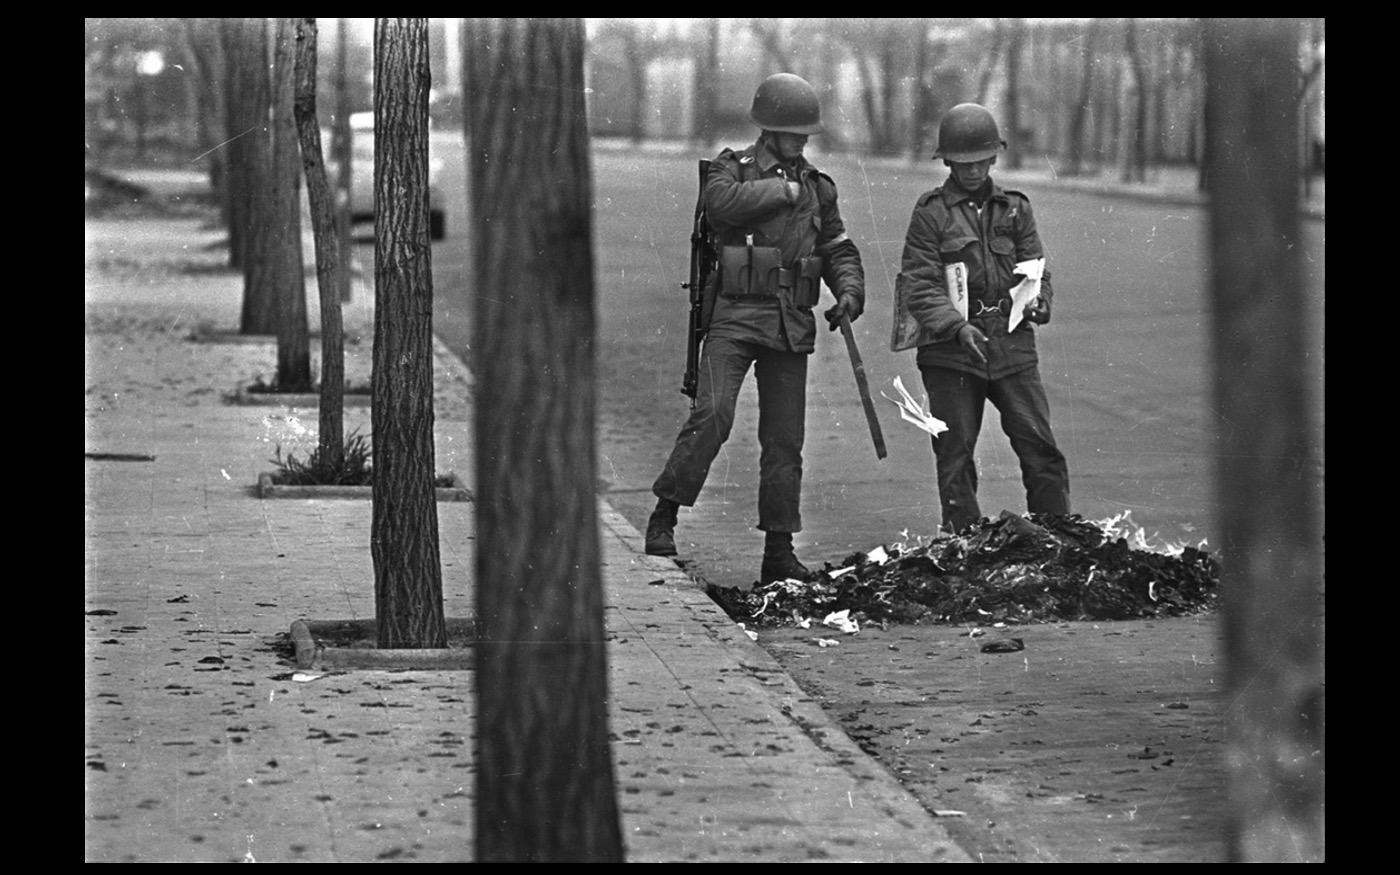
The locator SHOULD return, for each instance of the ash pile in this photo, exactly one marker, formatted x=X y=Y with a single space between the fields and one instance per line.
x=1014 y=569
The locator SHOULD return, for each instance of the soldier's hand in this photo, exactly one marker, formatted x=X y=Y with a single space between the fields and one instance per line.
x=794 y=190
x=847 y=304
x=1037 y=311
x=973 y=340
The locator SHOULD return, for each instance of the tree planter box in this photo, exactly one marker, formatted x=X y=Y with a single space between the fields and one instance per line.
x=294 y=399
x=341 y=645
x=458 y=491
x=214 y=335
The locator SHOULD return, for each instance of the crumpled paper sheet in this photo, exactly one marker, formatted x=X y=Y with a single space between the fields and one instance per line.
x=912 y=411
x=1027 y=290
x=842 y=620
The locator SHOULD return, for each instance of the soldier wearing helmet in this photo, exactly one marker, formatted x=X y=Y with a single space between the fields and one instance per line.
x=779 y=235
x=971 y=230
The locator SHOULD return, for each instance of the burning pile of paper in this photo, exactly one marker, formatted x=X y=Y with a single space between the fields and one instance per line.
x=1014 y=569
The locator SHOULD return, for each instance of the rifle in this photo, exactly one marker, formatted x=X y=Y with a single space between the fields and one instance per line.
x=702 y=264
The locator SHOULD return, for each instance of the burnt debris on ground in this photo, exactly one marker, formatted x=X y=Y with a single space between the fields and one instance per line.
x=1014 y=569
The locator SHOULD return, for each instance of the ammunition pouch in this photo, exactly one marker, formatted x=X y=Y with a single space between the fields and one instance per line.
x=750 y=271
x=758 y=272
x=807 y=288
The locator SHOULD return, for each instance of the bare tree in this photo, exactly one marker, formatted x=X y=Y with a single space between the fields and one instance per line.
x=990 y=59
x=1015 y=44
x=769 y=32
x=1135 y=156
x=706 y=86
x=636 y=50
x=883 y=53
x=1309 y=96
x=925 y=101
x=545 y=786
x=1268 y=505
x=329 y=256
x=247 y=97
x=203 y=49
x=282 y=253
x=1111 y=127
x=404 y=529
x=342 y=152
x=1075 y=160
x=1161 y=69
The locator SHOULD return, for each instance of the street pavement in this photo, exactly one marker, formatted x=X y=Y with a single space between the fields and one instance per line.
x=203 y=743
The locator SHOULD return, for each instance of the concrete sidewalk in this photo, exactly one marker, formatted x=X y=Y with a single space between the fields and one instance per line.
x=199 y=743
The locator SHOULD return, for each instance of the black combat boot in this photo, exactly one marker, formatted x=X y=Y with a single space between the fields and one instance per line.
x=661 y=529
x=779 y=562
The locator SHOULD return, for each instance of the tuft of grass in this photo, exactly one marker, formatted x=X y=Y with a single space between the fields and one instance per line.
x=318 y=471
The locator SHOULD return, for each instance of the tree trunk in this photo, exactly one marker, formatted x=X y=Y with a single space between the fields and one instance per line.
x=637 y=73
x=243 y=127
x=1015 y=41
x=1200 y=137
x=1075 y=160
x=989 y=63
x=922 y=99
x=329 y=264
x=252 y=98
x=1135 y=166
x=342 y=150
x=1269 y=509
x=1113 y=151
x=206 y=64
x=889 y=75
x=404 y=538
x=867 y=100
x=706 y=87
x=833 y=135
x=545 y=785
x=769 y=33
x=284 y=255
x=1160 y=94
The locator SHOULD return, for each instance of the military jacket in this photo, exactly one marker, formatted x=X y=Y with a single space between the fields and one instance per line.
x=946 y=227
x=746 y=193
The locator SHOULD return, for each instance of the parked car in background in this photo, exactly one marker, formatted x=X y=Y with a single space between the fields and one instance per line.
x=362 y=176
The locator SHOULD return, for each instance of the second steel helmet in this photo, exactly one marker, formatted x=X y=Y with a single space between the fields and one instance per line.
x=785 y=102
x=968 y=133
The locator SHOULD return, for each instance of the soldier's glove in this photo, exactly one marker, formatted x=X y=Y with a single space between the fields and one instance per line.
x=1037 y=311
x=974 y=341
x=848 y=304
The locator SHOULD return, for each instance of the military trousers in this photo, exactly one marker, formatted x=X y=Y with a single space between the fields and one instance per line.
x=959 y=399
x=782 y=410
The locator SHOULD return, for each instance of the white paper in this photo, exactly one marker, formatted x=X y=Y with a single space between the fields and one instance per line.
x=842 y=621
x=1027 y=290
x=878 y=556
x=912 y=411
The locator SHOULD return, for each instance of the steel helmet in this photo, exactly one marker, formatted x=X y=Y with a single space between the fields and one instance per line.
x=968 y=133
x=785 y=102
